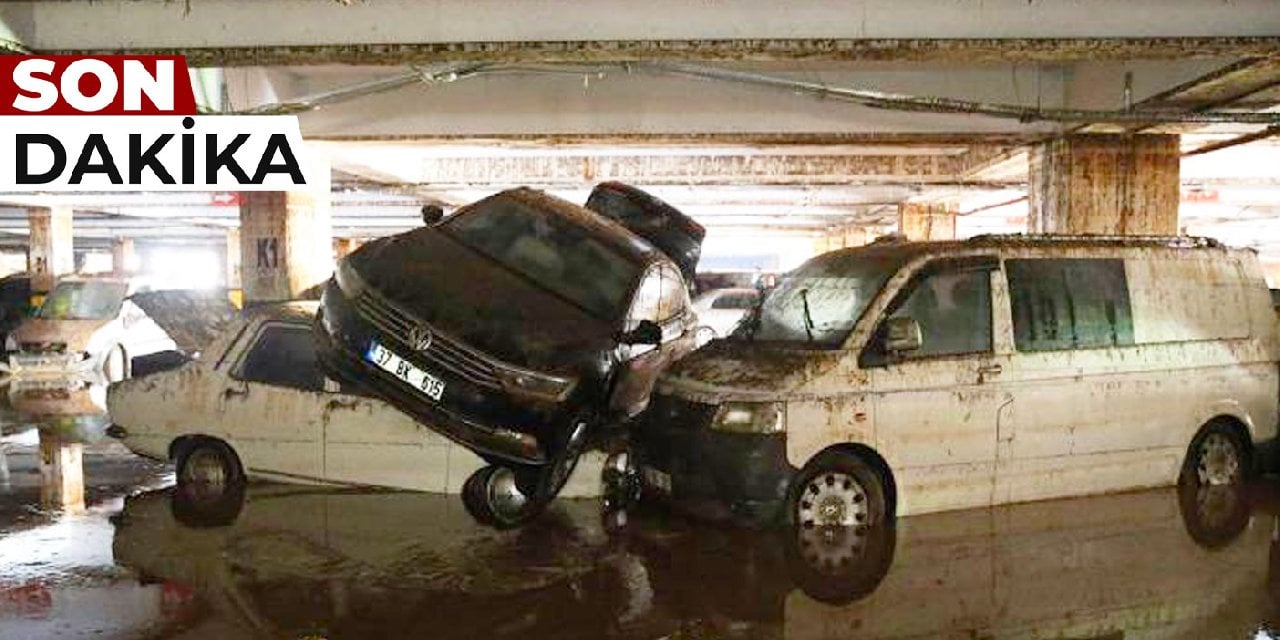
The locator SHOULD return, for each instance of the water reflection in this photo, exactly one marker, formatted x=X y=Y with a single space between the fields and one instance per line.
x=73 y=406
x=304 y=562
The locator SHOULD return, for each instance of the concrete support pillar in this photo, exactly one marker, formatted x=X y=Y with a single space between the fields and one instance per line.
x=286 y=238
x=49 y=252
x=344 y=246
x=285 y=244
x=843 y=237
x=927 y=220
x=235 y=290
x=61 y=473
x=124 y=256
x=1106 y=184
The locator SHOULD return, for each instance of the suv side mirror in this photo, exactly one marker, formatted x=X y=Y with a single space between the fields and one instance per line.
x=647 y=332
x=431 y=214
x=902 y=335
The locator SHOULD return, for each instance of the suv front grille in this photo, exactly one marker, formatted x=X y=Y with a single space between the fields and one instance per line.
x=446 y=352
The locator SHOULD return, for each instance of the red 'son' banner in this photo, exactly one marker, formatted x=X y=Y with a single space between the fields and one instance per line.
x=95 y=85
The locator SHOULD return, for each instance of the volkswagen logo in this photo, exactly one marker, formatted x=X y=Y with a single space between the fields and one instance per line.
x=420 y=337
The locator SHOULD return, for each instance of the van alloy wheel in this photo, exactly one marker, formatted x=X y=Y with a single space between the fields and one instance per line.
x=832 y=513
x=1218 y=460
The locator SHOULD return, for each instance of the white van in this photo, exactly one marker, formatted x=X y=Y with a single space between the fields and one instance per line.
x=903 y=378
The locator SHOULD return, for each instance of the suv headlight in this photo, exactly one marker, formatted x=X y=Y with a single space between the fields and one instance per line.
x=537 y=385
x=348 y=279
x=749 y=417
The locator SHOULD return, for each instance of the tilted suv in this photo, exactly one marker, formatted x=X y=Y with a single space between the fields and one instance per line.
x=513 y=327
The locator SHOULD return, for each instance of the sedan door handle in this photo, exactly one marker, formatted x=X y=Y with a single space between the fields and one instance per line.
x=231 y=392
x=989 y=370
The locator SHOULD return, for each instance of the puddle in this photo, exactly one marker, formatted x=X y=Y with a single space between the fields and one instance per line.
x=104 y=549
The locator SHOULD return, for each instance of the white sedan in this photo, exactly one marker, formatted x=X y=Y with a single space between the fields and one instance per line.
x=720 y=310
x=257 y=405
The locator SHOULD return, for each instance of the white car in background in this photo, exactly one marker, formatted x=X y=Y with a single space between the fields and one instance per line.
x=85 y=325
x=720 y=310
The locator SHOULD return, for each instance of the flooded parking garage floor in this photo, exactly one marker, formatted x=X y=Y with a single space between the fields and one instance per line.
x=95 y=544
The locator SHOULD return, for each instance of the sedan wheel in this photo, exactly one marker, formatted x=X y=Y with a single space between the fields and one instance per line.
x=1218 y=460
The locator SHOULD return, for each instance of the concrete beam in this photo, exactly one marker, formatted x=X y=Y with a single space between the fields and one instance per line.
x=230 y=32
x=730 y=170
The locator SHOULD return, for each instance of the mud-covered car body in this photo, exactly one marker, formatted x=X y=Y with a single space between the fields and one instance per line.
x=519 y=314
x=1026 y=341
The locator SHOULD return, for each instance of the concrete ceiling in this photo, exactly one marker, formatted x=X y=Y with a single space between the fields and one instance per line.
x=751 y=118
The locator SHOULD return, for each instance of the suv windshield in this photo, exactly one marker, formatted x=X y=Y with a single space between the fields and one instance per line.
x=84 y=301
x=818 y=304
x=550 y=250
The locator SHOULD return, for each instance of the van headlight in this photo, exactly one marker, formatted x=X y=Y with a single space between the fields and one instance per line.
x=349 y=279
x=536 y=385
x=749 y=417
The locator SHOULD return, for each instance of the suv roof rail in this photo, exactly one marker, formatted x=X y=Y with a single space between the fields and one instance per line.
x=1177 y=242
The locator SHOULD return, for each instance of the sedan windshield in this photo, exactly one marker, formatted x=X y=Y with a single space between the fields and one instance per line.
x=552 y=251
x=818 y=304
x=84 y=301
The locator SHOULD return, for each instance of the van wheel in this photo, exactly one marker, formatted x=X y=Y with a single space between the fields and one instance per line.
x=116 y=365
x=1217 y=457
x=833 y=504
x=210 y=483
x=492 y=497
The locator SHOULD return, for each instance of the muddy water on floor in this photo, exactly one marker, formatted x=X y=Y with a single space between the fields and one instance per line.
x=93 y=544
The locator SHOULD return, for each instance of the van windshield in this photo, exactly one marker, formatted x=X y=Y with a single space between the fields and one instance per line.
x=552 y=251
x=84 y=301
x=817 y=305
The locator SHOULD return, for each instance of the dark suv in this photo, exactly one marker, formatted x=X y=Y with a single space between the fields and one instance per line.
x=514 y=327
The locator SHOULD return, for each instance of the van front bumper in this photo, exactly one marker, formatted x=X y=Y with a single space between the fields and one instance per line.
x=707 y=474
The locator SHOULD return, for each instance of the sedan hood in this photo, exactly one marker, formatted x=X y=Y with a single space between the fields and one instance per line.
x=473 y=298
x=737 y=370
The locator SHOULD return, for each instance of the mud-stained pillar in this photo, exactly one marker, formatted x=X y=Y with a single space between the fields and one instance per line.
x=844 y=237
x=1106 y=184
x=285 y=244
x=342 y=247
x=286 y=238
x=61 y=474
x=927 y=220
x=235 y=291
x=49 y=252
x=124 y=256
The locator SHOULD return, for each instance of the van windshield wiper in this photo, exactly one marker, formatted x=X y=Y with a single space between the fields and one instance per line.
x=808 y=317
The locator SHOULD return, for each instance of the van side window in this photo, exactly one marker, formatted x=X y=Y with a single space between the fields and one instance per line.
x=1069 y=304
x=282 y=356
x=953 y=309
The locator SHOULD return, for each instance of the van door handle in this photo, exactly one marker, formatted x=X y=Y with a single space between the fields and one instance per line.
x=231 y=392
x=990 y=370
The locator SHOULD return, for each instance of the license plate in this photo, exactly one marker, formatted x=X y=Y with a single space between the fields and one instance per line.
x=411 y=375
x=656 y=479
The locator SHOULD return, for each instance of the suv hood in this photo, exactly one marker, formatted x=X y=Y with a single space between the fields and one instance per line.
x=473 y=298
x=735 y=370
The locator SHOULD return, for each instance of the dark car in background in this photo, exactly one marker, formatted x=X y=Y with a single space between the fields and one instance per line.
x=15 y=302
x=516 y=327
x=663 y=225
